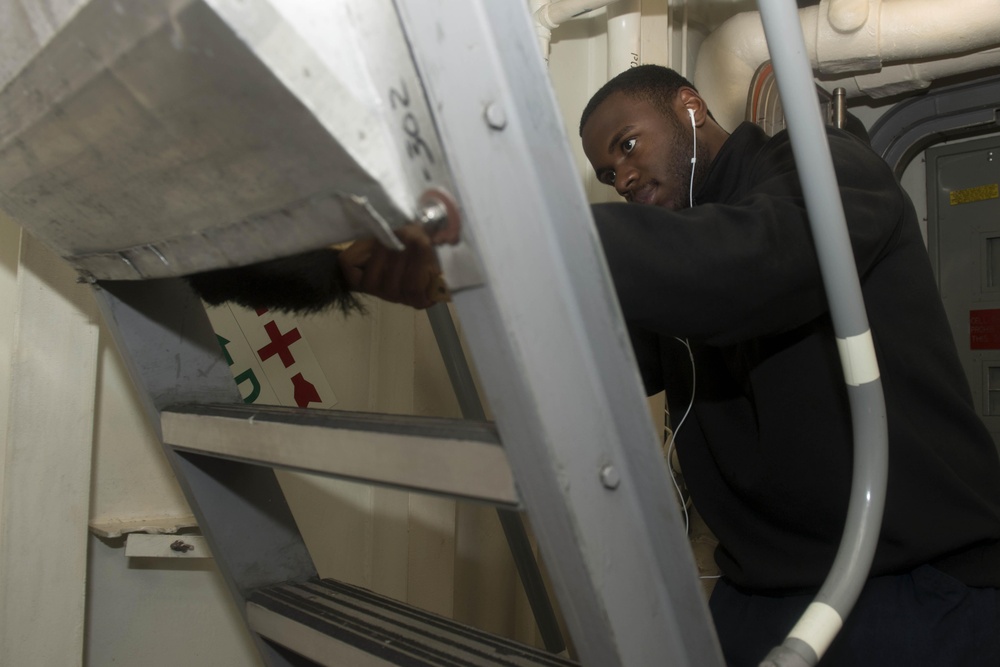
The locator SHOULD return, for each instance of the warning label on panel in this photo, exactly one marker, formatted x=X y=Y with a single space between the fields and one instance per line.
x=978 y=193
x=984 y=329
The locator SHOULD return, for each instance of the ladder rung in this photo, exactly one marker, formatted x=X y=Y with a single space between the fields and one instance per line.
x=333 y=623
x=446 y=456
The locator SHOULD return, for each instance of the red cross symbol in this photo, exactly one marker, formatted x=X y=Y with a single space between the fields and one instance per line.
x=279 y=344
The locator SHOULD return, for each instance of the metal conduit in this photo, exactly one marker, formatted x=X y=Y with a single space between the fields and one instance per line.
x=812 y=635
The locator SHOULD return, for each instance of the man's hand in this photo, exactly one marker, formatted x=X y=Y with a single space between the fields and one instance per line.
x=411 y=276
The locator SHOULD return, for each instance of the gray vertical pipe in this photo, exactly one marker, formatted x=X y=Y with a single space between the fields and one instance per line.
x=513 y=528
x=812 y=155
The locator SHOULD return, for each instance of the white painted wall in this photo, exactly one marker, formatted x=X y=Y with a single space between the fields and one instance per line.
x=147 y=611
x=48 y=352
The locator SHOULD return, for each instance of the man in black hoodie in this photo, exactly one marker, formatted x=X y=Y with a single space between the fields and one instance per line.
x=719 y=252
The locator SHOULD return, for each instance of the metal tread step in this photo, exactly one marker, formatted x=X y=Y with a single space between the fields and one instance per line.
x=333 y=623
x=452 y=457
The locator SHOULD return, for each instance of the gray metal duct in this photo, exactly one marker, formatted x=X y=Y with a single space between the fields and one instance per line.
x=160 y=138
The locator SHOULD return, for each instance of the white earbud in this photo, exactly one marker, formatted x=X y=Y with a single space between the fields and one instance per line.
x=694 y=156
x=694 y=133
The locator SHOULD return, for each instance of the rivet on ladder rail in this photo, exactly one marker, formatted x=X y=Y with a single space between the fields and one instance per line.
x=495 y=116
x=610 y=477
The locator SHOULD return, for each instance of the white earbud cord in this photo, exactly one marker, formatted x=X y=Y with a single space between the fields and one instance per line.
x=673 y=439
x=684 y=342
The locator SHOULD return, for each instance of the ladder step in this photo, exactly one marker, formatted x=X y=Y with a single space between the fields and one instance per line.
x=452 y=457
x=333 y=623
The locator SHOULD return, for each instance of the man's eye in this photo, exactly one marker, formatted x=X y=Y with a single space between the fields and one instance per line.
x=628 y=145
x=609 y=178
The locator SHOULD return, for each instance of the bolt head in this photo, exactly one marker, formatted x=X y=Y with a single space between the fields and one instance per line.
x=495 y=116
x=610 y=477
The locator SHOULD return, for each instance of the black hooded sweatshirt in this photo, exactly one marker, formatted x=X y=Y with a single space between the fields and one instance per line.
x=767 y=449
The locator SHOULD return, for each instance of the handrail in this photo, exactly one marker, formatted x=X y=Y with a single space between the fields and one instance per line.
x=812 y=635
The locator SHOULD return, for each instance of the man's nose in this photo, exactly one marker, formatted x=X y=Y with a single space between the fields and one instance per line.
x=625 y=180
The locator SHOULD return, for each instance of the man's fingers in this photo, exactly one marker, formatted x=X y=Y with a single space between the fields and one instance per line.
x=411 y=276
x=438 y=289
x=352 y=260
x=374 y=271
x=393 y=279
x=358 y=252
x=421 y=266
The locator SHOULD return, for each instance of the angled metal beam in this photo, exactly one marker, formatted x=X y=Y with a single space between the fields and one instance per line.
x=172 y=355
x=550 y=344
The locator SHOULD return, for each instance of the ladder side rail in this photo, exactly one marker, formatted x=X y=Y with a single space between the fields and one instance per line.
x=550 y=344
x=172 y=356
x=462 y=382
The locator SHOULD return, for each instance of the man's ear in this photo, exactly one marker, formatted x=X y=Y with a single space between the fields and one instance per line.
x=689 y=99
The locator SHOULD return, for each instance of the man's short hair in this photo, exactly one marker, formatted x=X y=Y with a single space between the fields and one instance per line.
x=655 y=84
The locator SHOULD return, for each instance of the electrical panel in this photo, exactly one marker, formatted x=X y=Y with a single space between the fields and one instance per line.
x=963 y=235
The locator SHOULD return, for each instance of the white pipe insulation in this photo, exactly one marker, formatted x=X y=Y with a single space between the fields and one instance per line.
x=886 y=37
x=624 y=36
x=554 y=14
x=848 y=15
x=624 y=33
x=550 y=15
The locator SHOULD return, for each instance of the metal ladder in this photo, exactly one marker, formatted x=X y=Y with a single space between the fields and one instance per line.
x=572 y=444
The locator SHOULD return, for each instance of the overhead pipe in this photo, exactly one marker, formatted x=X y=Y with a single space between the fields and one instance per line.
x=550 y=15
x=884 y=37
x=554 y=14
x=624 y=36
x=908 y=77
x=848 y=15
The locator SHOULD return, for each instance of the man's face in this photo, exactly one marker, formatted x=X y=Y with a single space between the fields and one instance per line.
x=641 y=152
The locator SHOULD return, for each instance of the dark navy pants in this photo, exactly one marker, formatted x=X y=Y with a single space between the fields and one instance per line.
x=925 y=618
